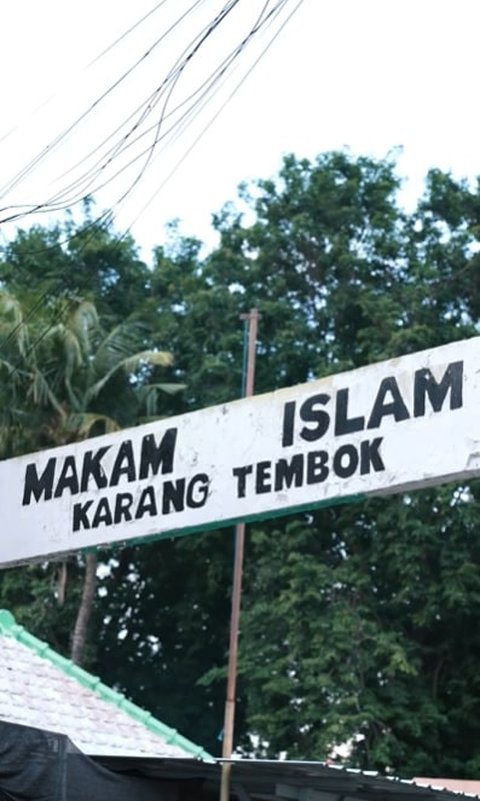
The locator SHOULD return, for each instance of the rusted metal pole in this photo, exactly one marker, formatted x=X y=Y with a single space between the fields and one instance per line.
x=252 y=321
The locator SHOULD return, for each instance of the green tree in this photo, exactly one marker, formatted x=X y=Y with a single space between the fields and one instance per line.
x=329 y=654
x=358 y=621
x=363 y=625
x=161 y=582
x=79 y=381
x=88 y=260
x=342 y=278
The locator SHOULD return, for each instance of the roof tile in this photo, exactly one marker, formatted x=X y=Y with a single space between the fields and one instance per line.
x=41 y=688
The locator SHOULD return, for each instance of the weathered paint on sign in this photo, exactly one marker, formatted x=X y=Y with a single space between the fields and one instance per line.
x=400 y=424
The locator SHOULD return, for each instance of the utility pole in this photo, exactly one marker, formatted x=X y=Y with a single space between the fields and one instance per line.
x=251 y=323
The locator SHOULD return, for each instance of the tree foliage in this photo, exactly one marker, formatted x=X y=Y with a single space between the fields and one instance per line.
x=359 y=622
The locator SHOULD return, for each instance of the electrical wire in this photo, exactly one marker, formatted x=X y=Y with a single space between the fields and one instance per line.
x=204 y=130
x=56 y=318
x=189 y=114
x=107 y=217
x=191 y=111
x=214 y=79
x=48 y=149
x=85 y=183
x=130 y=30
x=94 y=61
x=58 y=202
x=67 y=202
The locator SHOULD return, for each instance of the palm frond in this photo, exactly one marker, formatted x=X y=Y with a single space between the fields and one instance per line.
x=154 y=358
x=74 y=399
x=14 y=325
x=71 y=347
x=130 y=365
x=122 y=341
x=8 y=367
x=148 y=395
x=84 y=425
x=11 y=307
x=82 y=323
x=42 y=394
x=168 y=387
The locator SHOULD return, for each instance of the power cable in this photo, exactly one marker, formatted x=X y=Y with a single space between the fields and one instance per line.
x=105 y=140
x=61 y=199
x=127 y=33
x=212 y=119
x=107 y=217
x=94 y=61
x=58 y=201
x=64 y=134
x=216 y=78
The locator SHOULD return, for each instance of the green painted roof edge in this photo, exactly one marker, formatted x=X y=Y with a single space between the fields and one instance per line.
x=9 y=627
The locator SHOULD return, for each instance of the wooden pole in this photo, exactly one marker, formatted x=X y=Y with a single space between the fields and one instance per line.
x=252 y=321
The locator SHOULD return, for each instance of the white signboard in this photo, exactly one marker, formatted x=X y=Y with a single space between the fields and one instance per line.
x=396 y=425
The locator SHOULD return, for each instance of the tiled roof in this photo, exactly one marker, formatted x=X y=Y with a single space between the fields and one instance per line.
x=41 y=688
x=464 y=786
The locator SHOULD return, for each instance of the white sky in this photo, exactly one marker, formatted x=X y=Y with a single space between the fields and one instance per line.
x=370 y=75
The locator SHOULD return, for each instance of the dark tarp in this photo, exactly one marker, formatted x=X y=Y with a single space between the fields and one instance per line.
x=37 y=765
x=274 y=780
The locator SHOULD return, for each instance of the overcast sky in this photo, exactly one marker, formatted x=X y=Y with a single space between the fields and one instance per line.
x=370 y=75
